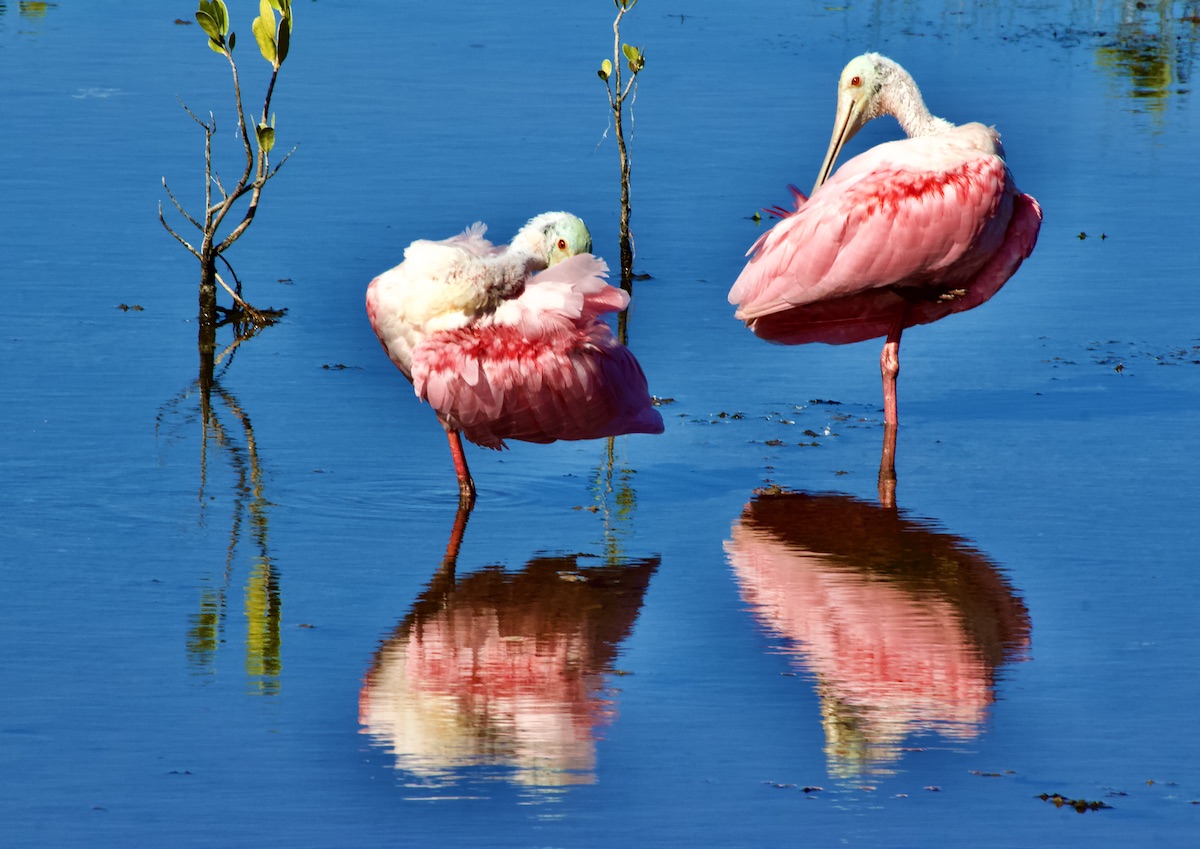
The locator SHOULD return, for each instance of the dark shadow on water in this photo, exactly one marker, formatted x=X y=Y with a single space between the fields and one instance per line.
x=503 y=672
x=902 y=625
x=226 y=431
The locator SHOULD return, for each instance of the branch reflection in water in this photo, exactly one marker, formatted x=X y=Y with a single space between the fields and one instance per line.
x=235 y=441
x=902 y=625
x=1152 y=51
x=504 y=669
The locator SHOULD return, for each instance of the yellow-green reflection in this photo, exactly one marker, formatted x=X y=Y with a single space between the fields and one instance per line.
x=902 y=625
x=614 y=499
x=30 y=8
x=505 y=668
x=1151 y=51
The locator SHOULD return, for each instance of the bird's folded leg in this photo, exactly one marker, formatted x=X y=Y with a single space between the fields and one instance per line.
x=889 y=368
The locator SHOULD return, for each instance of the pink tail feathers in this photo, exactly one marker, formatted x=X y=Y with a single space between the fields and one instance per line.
x=799 y=198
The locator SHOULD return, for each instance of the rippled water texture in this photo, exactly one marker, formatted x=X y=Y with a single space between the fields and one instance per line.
x=240 y=607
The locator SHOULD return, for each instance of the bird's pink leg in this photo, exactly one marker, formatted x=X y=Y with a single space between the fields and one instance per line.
x=889 y=367
x=466 y=486
x=887 y=468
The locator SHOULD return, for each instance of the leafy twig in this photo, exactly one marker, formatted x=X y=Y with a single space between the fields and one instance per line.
x=610 y=73
x=273 y=36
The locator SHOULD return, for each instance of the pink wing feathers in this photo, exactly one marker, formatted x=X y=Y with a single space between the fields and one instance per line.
x=898 y=226
x=542 y=367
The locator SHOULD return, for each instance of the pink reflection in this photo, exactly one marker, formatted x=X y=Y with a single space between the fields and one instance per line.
x=505 y=669
x=902 y=624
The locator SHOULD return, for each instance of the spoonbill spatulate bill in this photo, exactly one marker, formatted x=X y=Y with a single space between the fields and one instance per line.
x=508 y=342
x=903 y=234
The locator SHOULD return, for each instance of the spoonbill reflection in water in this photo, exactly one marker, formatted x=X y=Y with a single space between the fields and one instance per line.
x=903 y=234
x=508 y=342
x=505 y=670
x=903 y=626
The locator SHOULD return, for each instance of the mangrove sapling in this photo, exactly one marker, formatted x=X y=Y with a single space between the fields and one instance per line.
x=273 y=37
x=610 y=73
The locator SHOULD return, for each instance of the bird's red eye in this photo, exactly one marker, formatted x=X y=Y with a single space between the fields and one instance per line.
x=856 y=81
x=562 y=244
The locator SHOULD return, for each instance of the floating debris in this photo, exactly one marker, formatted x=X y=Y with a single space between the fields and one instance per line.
x=1080 y=805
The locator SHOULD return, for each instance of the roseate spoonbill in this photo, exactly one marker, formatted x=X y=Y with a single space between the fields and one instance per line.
x=507 y=342
x=903 y=234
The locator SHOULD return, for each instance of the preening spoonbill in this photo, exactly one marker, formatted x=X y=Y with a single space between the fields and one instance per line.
x=507 y=342
x=903 y=234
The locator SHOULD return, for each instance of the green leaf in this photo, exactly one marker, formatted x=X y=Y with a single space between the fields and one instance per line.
x=209 y=24
x=285 y=9
x=264 y=12
x=636 y=58
x=266 y=137
x=232 y=39
x=285 y=39
x=216 y=46
x=219 y=13
x=605 y=70
x=265 y=34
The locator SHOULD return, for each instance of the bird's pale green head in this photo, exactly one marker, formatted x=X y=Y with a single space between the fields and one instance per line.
x=859 y=87
x=554 y=236
x=871 y=86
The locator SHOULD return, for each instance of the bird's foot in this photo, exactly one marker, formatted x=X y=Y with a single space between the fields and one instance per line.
x=952 y=295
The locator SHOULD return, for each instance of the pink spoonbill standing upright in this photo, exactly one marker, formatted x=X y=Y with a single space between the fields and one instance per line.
x=508 y=342
x=903 y=234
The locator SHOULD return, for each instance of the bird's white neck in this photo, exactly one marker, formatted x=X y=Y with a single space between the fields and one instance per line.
x=900 y=97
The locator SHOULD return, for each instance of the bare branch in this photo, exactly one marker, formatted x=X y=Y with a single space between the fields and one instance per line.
x=279 y=165
x=182 y=212
x=210 y=129
x=224 y=194
x=208 y=175
x=178 y=238
x=237 y=283
x=237 y=231
x=254 y=314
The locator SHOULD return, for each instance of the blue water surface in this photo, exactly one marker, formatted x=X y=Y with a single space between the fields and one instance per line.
x=246 y=618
